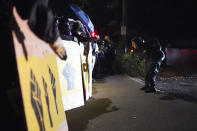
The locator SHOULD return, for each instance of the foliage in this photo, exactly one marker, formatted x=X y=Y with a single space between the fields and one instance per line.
x=129 y=64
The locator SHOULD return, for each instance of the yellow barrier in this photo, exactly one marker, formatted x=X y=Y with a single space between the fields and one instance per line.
x=39 y=80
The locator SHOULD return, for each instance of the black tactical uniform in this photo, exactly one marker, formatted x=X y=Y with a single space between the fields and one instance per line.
x=153 y=55
x=81 y=33
x=64 y=26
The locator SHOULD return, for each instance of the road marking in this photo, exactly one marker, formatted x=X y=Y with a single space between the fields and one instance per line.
x=137 y=80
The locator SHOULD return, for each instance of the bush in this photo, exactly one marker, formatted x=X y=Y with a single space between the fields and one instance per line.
x=129 y=64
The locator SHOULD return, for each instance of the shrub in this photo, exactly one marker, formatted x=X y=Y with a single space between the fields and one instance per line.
x=129 y=64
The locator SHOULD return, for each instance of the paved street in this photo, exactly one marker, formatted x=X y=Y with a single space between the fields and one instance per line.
x=119 y=105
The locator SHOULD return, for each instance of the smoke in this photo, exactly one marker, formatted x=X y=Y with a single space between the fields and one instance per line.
x=181 y=57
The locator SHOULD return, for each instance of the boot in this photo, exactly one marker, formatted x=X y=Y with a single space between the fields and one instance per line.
x=144 y=87
x=150 y=90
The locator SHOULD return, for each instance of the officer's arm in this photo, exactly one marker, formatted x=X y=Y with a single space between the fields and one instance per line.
x=82 y=38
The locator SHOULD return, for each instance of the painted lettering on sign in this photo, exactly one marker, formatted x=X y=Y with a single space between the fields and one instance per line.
x=47 y=100
x=53 y=87
x=36 y=101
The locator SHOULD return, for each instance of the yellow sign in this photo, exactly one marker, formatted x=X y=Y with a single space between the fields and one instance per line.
x=39 y=81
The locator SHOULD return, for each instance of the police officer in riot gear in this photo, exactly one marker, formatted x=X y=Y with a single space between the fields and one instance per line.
x=153 y=55
x=81 y=34
x=74 y=30
x=64 y=26
x=138 y=44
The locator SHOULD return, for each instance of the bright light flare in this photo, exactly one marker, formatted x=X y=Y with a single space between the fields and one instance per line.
x=93 y=34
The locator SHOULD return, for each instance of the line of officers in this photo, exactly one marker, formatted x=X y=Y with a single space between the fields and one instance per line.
x=73 y=30
x=102 y=49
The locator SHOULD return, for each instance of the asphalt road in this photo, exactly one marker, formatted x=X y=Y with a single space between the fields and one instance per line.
x=119 y=105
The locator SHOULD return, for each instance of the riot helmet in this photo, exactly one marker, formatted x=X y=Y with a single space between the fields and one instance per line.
x=138 y=42
x=77 y=26
x=62 y=25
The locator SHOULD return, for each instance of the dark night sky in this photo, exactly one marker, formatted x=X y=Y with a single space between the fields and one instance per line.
x=170 y=18
x=167 y=19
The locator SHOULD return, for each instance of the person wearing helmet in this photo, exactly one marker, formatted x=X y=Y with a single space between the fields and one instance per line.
x=139 y=45
x=81 y=33
x=154 y=57
x=64 y=25
x=138 y=42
